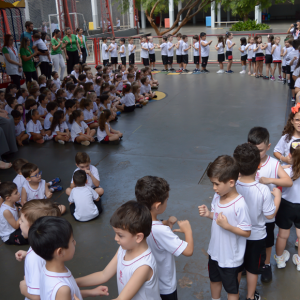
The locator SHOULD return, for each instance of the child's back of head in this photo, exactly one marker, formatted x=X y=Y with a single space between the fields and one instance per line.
x=18 y=164
x=258 y=135
x=79 y=178
x=82 y=158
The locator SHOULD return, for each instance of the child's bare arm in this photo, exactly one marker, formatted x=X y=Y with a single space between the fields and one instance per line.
x=185 y=227
x=23 y=196
x=48 y=194
x=10 y=219
x=283 y=180
x=24 y=292
x=63 y=293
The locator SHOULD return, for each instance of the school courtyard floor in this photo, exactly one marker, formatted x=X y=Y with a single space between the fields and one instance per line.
x=201 y=117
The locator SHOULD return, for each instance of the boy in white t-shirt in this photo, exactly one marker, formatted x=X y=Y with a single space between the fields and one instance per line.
x=145 y=51
x=52 y=239
x=164 y=52
x=113 y=53
x=178 y=47
x=134 y=264
x=261 y=206
x=204 y=51
x=21 y=136
x=165 y=245
x=105 y=53
x=83 y=162
x=151 y=47
x=272 y=174
x=30 y=212
x=196 y=47
x=131 y=51
x=85 y=203
x=184 y=53
x=170 y=52
x=122 y=51
x=231 y=226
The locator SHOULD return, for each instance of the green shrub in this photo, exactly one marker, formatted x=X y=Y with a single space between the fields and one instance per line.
x=248 y=25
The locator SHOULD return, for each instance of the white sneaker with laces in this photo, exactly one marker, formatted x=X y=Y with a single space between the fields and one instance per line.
x=219 y=72
x=61 y=142
x=296 y=261
x=243 y=72
x=281 y=262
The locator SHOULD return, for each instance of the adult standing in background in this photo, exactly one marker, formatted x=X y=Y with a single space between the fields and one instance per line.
x=72 y=49
x=28 y=32
x=56 y=54
x=83 y=45
x=13 y=63
x=294 y=30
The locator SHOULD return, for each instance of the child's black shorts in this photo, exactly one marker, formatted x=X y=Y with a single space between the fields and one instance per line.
x=253 y=59
x=292 y=83
x=129 y=108
x=179 y=59
x=268 y=59
x=221 y=57
x=152 y=57
x=185 y=59
x=288 y=69
x=164 y=59
x=204 y=61
x=145 y=61
x=172 y=296
x=105 y=62
x=270 y=234
x=229 y=55
x=123 y=59
x=255 y=256
x=283 y=68
x=170 y=60
x=288 y=214
x=131 y=59
x=244 y=58
x=114 y=60
x=228 y=276
x=196 y=60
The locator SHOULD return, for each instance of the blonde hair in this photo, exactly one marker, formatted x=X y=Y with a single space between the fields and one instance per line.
x=90 y=95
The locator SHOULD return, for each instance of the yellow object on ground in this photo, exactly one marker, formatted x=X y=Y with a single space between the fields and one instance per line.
x=160 y=96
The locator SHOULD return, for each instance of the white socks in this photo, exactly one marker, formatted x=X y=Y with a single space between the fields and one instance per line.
x=215 y=299
x=244 y=68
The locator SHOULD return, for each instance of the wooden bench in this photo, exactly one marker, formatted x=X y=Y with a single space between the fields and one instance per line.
x=227 y=22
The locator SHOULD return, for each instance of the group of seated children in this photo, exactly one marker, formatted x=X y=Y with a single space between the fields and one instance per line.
x=81 y=108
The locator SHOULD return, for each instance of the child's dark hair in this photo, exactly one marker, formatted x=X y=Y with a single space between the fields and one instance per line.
x=221 y=40
x=104 y=86
x=227 y=35
x=53 y=73
x=103 y=98
x=10 y=100
x=98 y=67
x=87 y=86
x=133 y=217
x=42 y=97
x=79 y=89
x=16 y=114
x=48 y=234
x=51 y=106
x=164 y=38
x=57 y=116
x=224 y=168
x=74 y=79
x=126 y=88
x=70 y=87
x=122 y=40
x=82 y=158
x=75 y=114
x=33 y=90
x=84 y=103
x=151 y=189
x=41 y=78
x=248 y=158
x=179 y=35
x=9 y=88
x=69 y=103
x=104 y=39
x=49 y=83
x=98 y=80
x=7 y=188
x=104 y=115
x=202 y=34
x=79 y=178
x=60 y=101
x=289 y=128
x=243 y=41
x=81 y=77
x=130 y=76
x=259 y=135
x=59 y=92
x=184 y=36
x=256 y=39
x=44 y=90
x=31 y=113
x=143 y=80
x=196 y=37
x=20 y=92
x=28 y=169
x=29 y=103
x=18 y=164
x=271 y=38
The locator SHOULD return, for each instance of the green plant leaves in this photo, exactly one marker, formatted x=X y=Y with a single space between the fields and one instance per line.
x=248 y=26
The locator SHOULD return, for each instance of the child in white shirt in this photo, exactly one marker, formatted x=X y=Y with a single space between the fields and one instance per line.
x=131 y=51
x=184 y=53
x=178 y=46
x=151 y=47
x=127 y=103
x=146 y=88
x=76 y=71
x=243 y=51
x=145 y=51
x=170 y=46
x=204 y=51
x=196 y=47
x=221 y=56
x=85 y=203
x=133 y=259
x=19 y=180
x=21 y=136
x=113 y=53
x=11 y=103
x=87 y=108
x=122 y=51
x=165 y=245
x=56 y=79
x=105 y=53
x=164 y=52
x=276 y=57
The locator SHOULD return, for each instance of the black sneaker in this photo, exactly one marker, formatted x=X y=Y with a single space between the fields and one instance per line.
x=186 y=71
x=266 y=275
x=206 y=71
x=256 y=296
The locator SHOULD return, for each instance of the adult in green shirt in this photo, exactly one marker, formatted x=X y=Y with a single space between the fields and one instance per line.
x=27 y=56
x=83 y=46
x=72 y=50
x=56 y=54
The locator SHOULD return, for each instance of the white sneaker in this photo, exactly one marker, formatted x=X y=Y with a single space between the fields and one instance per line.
x=219 y=72
x=296 y=261
x=85 y=143
x=281 y=262
x=61 y=142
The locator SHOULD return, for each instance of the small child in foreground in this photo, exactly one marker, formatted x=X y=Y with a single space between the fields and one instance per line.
x=133 y=263
x=165 y=245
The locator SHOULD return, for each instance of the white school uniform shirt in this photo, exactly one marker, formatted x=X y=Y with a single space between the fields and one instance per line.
x=47 y=122
x=151 y=45
x=19 y=182
x=33 y=266
x=61 y=127
x=123 y=48
x=145 y=89
x=259 y=50
x=165 y=245
x=8 y=108
x=85 y=208
x=179 y=50
x=53 y=97
x=144 y=53
x=125 y=269
x=21 y=100
x=42 y=110
x=89 y=80
x=268 y=49
x=41 y=45
x=288 y=50
x=221 y=48
x=204 y=49
x=196 y=52
x=119 y=87
x=97 y=89
x=260 y=203
x=277 y=53
x=42 y=85
x=295 y=33
x=101 y=134
x=114 y=52
x=88 y=114
x=228 y=41
x=75 y=74
x=170 y=52
x=130 y=51
x=243 y=49
x=95 y=107
x=297 y=83
x=164 y=49
x=76 y=129
x=105 y=55
x=128 y=99
x=57 y=83
x=225 y=247
x=290 y=56
x=283 y=146
x=184 y=46
x=19 y=128
x=68 y=123
x=51 y=282
x=291 y=194
x=34 y=194
x=35 y=128
x=250 y=51
x=95 y=173
x=69 y=95
x=5 y=228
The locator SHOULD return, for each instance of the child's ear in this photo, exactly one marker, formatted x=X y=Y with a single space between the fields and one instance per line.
x=156 y=205
x=139 y=237
x=269 y=146
x=28 y=179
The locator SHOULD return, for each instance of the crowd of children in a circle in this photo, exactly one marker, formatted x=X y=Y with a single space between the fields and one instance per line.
x=80 y=108
x=251 y=188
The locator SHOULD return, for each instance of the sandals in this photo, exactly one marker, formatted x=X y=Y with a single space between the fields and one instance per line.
x=55 y=181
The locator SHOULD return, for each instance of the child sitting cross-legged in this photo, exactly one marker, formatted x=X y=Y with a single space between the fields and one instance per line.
x=59 y=128
x=128 y=101
x=136 y=91
x=85 y=203
x=83 y=162
x=21 y=136
x=146 y=88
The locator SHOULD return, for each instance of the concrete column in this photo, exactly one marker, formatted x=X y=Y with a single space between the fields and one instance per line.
x=179 y=8
x=95 y=13
x=131 y=14
x=219 y=14
x=27 y=15
x=213 y=14
x=194 y=18
x=171 y=12
x=258 y=13
x=143 y=17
